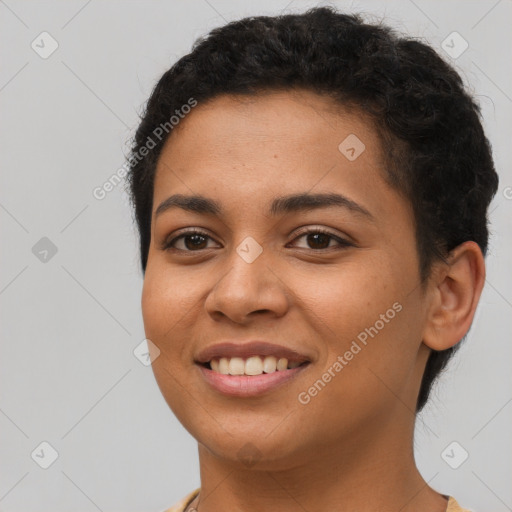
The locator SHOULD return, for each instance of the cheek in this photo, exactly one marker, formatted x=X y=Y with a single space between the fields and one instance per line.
x=350 y=297
x=153 y=304
x=161 y=311
x=171 y=302
x=165 y=299
x=365 y=310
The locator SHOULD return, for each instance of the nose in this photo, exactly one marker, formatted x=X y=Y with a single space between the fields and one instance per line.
x=247 y=290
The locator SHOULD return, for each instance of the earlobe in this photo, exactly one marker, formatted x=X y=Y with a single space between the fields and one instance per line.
x=455 y=296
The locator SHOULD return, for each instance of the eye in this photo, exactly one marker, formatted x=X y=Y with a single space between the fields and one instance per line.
x=195 y=240
x=320 y=239
x=189 y=241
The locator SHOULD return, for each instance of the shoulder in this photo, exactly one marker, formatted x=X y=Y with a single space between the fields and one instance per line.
x=181 y=505
x=453 y=506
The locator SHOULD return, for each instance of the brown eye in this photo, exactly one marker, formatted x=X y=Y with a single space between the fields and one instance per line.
x=319 y=239
x=190 y=241
x=194 y=242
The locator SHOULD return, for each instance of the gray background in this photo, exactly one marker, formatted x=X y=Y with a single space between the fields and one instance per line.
x=70 y=323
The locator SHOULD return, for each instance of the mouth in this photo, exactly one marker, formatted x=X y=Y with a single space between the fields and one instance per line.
x=251 y=366
x=249 y=369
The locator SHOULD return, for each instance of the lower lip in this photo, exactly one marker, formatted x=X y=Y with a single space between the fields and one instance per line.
x=249 y=385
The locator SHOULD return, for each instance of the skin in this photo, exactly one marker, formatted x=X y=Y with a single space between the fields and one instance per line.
x=350 y=447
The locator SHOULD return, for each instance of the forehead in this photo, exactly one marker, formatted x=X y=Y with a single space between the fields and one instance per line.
x=273 y=117
x=245 y=148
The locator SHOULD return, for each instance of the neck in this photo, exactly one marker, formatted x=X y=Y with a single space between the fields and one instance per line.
x=373 y=470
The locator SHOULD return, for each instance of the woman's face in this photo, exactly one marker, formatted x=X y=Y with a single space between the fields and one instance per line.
x=336 y=283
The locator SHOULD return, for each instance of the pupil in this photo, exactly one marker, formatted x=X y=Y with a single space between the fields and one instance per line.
x=195 y=244
x=319 y=236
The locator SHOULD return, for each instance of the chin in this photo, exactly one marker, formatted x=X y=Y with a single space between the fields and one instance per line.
x=248 y=451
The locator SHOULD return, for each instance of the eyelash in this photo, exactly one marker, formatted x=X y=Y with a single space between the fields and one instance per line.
x=167 y=245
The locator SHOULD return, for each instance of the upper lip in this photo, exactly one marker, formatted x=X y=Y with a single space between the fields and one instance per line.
x=248 y=349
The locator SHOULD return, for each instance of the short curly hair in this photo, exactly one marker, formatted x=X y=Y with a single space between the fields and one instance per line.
x=436 y=152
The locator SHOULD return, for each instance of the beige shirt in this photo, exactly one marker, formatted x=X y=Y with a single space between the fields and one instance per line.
x=453 y=506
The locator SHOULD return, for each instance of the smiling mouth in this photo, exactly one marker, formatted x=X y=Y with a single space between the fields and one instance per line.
x=251 y=366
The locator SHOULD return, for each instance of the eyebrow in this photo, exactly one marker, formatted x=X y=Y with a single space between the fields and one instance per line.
x=280 y=205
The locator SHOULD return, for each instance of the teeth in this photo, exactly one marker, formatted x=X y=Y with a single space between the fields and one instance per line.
x=254 y=365
x=269 y=364
x=282 y=364
x=224 y=366
x=236 y=366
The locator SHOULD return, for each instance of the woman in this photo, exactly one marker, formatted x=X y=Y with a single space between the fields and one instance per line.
x=311 y=194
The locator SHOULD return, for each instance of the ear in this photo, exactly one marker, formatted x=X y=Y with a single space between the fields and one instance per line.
x=455 y=291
